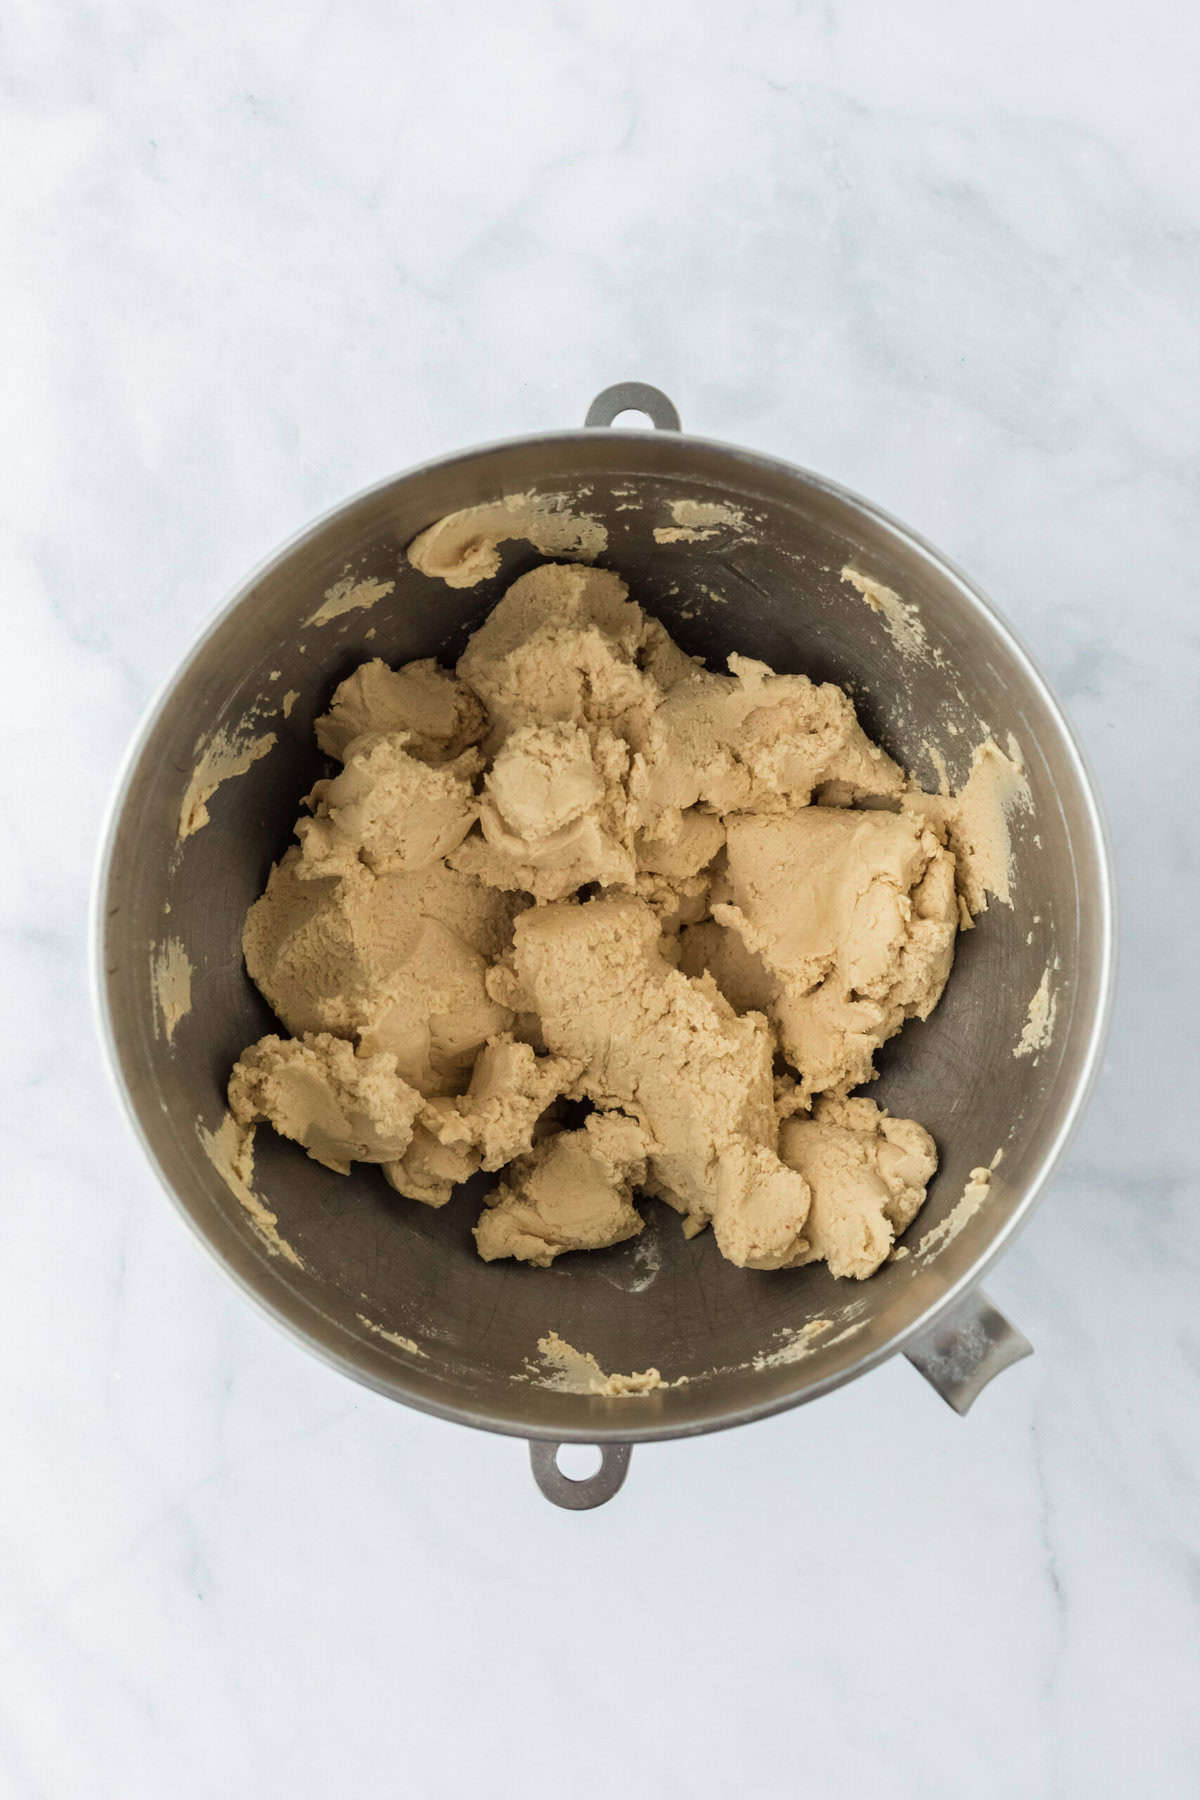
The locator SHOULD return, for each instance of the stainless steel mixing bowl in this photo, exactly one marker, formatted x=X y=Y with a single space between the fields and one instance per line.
x=369 y=1256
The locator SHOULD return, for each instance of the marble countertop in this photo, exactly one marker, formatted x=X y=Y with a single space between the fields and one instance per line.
x=257 y=257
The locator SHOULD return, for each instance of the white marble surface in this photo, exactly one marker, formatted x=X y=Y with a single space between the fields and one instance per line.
x=257 y=256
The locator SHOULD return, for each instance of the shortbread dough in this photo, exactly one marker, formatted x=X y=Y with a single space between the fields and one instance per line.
x=590 y=916
x=573 y=1192
x=671 y=1053
x=853 y=916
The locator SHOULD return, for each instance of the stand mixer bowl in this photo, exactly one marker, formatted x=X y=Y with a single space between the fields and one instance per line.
x=392 y=1292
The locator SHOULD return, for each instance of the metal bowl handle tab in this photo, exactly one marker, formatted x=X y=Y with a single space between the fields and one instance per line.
x=963 y=1351
x=592 y=1490
x=633 y=396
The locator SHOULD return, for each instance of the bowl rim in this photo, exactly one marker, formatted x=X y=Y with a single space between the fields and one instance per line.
x=291 y=1313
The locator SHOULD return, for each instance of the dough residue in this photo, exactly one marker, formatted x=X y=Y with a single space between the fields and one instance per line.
x=976 y=822
x=613 y=926
x=393 y=1337
x=1039 y=1020
x=349 y=595
x=230 y=1150
x=795 y=1345
x=171 y=985
x=973 y=1196
x=463 y=548
x=696 y=520
x=904 y=624
x=572 y=1371
x=228 y=753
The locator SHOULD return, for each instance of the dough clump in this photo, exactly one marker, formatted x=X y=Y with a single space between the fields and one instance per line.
x=586 y=914
x=672 y=1053
x=342 y=1107
x=852 y=916
x=867 y=1173
x=573 y=1192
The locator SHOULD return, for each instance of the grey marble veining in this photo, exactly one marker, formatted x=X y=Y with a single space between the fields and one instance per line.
x=257 y=257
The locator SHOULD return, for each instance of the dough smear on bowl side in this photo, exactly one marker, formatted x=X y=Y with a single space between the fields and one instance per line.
x=582 y=868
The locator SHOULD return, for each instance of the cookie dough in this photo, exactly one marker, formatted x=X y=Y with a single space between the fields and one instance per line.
x=391 y=962
x=464 y=548
x=867 y=1174
x=565 y=644
x=574 y=1192
x=495 y=1121
x=554 y=814
x=341 y=1106
x=587 y=915
x=853 y=916
x=438 y=713
x=976 y=822
x=674 y=1054
x=755 y=741
x=388 y=810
